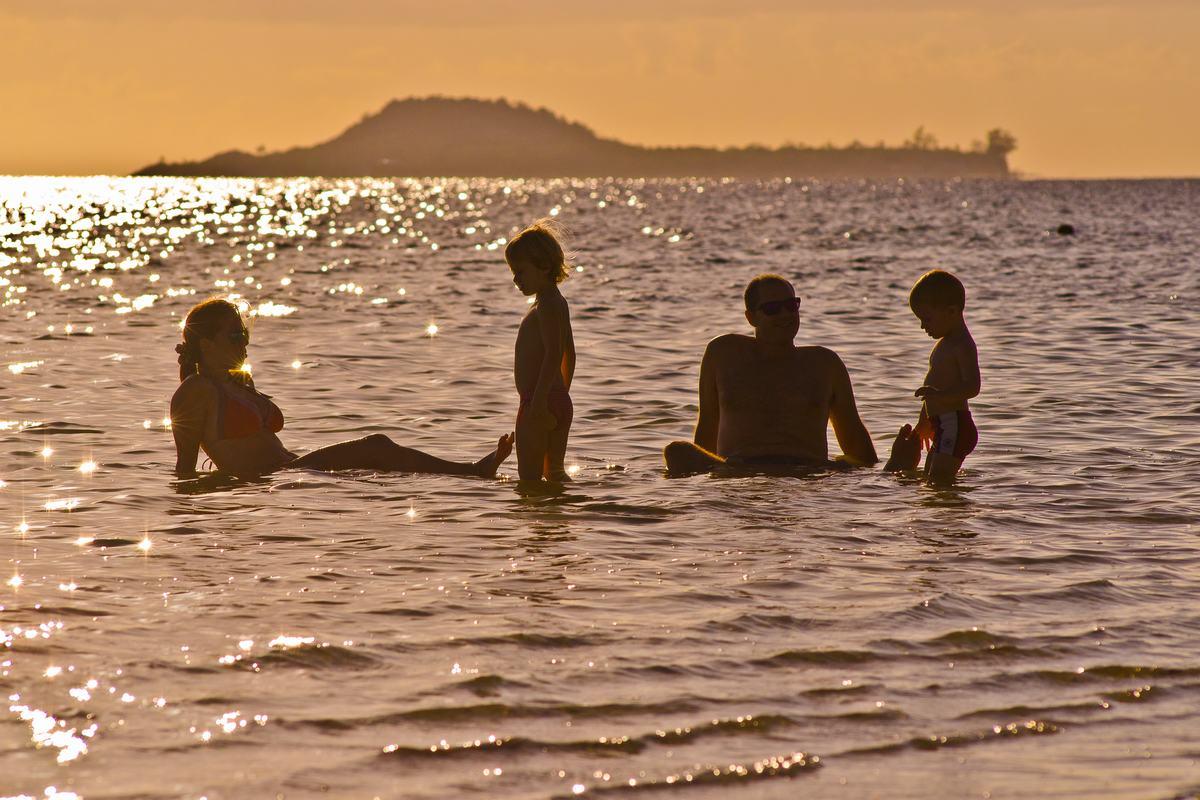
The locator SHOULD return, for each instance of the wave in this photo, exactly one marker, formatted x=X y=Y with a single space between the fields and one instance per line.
x=1031 y=727
x=600 y=745
x=728 y=776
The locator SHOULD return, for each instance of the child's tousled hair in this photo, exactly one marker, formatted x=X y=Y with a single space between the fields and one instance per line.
x=202 y=322
x=540 y=243
x=940 y=288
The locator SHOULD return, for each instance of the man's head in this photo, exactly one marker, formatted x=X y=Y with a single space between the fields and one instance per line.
x=938 y=299
x=772 y=308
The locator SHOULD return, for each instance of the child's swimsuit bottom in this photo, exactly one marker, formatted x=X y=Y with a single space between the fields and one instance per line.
x=559 y=403
x=954 y=433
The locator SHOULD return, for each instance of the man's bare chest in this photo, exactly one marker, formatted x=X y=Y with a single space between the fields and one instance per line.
x=775 y=386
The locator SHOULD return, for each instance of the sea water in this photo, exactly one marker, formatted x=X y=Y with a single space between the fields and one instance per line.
x=1034 y=631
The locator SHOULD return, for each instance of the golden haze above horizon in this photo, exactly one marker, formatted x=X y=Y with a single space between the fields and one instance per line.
x=1091 y=88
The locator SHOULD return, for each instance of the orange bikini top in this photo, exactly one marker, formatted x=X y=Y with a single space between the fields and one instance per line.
x=245 y=413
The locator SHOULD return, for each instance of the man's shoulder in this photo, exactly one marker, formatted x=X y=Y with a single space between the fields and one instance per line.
x=818 y=354
x=728 y=342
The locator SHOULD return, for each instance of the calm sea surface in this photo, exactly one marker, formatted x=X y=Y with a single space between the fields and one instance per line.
x=1034 y=632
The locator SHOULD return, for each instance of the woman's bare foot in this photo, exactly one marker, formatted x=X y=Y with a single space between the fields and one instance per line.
x=486 y=466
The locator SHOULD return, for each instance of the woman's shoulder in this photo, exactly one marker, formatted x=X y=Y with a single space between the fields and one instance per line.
x=195 y=389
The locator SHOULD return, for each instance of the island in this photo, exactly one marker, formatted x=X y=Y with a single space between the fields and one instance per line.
x=439 y=136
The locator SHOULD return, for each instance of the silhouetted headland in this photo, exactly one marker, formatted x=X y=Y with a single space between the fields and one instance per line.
x=494 y=138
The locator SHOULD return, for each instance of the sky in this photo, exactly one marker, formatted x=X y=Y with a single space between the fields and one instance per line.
x=1090 y=88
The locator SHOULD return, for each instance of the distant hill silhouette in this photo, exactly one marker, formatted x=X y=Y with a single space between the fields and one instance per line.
x=494 y=138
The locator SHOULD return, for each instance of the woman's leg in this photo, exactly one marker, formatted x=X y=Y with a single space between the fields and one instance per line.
x=378 y=452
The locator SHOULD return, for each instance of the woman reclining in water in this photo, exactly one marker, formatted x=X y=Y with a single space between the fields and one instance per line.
x=217 y=408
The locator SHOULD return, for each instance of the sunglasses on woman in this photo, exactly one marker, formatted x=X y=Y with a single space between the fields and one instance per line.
x=773 y=307
x=241 y=337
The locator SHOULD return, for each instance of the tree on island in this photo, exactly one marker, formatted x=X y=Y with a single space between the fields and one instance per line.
x=921 y=140
x=1000 y=142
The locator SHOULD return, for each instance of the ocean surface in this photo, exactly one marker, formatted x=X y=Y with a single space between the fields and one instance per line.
x=1033 y=632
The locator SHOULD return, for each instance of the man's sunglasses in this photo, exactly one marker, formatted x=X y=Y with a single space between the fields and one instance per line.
x=773 y=307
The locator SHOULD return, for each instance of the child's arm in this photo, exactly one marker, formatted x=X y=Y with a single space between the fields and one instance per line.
x=708 y=421
x=924 y=428
x=568 y=358
x=551 y=313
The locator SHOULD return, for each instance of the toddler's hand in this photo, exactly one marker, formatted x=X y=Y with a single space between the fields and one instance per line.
x=924 y=433
x=927 y=391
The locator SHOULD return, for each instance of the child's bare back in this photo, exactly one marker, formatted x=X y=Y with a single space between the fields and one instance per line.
x=950 y=364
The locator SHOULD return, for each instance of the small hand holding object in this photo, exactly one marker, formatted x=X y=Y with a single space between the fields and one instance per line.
x=927 y=391
x=923 y=433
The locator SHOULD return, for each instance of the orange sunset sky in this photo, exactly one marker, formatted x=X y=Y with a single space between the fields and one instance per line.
x=1091 y=88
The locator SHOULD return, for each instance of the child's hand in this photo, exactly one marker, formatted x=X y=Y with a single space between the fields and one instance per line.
x=924 y=433
x=927 y=391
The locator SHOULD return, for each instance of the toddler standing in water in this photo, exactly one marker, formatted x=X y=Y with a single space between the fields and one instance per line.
x=545 y=353
x=938 y=299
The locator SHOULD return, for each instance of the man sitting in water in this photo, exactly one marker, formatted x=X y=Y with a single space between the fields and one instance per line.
x=765 y=401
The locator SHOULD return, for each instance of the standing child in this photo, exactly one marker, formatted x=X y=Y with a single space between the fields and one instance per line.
x=545 y=353
x=938 y=299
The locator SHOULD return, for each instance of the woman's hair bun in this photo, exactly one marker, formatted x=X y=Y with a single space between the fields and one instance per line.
x=187 y=354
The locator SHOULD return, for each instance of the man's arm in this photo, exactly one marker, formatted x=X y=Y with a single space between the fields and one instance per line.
x=708 y=421
x=852 y=434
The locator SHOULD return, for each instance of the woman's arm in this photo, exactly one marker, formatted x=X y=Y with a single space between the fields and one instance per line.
x=189 y=412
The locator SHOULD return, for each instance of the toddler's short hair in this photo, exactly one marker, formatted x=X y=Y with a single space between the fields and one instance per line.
x=539 y=243
x=940 y=288
x=755 y=284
